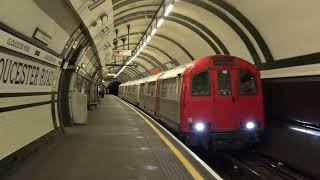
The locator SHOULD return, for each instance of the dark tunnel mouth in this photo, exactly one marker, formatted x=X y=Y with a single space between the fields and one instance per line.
x=113 y=88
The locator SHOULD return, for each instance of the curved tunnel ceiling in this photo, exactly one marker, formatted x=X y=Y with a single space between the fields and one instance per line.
x=217 y=26
x=187 y=24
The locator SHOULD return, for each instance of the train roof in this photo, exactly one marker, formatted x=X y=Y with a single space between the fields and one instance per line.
x=154 y=77
x=133 y=82
x=172 y=73
x=194 y=66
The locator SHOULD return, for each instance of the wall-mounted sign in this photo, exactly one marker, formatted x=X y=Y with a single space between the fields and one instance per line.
x=121 y=53
x=155 y=70
x=42 y=36
x=20 y=75
x=11 y=42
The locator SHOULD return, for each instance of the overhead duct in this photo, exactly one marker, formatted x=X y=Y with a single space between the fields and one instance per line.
x=95 y=4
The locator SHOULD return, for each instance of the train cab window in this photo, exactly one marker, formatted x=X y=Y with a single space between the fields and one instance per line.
x=224 y=83
x=247 y=83
x=200 y=84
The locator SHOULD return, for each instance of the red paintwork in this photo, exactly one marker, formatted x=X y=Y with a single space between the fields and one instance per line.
x=221 y=111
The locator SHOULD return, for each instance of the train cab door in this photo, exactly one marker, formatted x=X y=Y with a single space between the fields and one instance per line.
x=248 y=99
x=224 y=98
x=198 y=102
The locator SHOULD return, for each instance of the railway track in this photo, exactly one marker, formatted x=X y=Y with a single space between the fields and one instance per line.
x=260 y=168
x=249 y=165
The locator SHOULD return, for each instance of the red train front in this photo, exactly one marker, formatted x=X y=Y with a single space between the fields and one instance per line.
x=221 y=102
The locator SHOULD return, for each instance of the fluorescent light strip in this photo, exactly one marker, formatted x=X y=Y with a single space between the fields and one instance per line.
x=153 y=32
x=168 y=10
x=148 y=39
x=160 y=21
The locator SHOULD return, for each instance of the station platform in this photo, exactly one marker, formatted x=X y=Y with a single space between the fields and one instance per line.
x=118 y=142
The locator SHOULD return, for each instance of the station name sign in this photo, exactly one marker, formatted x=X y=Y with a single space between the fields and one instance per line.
x=11 y=42
x=30 y=70
x=17 y=74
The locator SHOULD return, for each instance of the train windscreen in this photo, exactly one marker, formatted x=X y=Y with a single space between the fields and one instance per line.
x=200 y=85
x=247 y=83
x=224 y=83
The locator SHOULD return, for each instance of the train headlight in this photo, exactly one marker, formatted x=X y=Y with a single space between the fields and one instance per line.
x=199 y=126
x=250 y=125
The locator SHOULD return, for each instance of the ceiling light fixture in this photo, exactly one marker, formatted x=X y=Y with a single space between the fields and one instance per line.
x=144 y=44
x=168 y=10
x=148 y=39
x=153 y=32
x=160 y=22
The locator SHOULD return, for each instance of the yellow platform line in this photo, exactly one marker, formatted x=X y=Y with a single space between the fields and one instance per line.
x=194 y=173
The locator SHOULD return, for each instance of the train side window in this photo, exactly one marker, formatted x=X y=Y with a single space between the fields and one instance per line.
x=148 y=88
x=142 y=89
x=200 y=84
x=247 y=83
x=224 y=83
x=179 y=85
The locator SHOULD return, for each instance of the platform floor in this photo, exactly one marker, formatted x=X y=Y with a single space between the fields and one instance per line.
x=115 y=144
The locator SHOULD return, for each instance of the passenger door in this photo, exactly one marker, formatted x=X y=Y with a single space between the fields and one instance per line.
x=224 y=98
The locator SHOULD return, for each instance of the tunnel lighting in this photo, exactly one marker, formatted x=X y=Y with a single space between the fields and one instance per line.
x=160 y=22
x=153 y=32
x=119 y=72
x=140 y=47
x=130 y=60
x=149 y=38
x=168 y=10
x=199 y=126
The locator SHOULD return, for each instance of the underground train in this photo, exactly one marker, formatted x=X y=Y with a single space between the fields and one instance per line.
x=216 y=101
